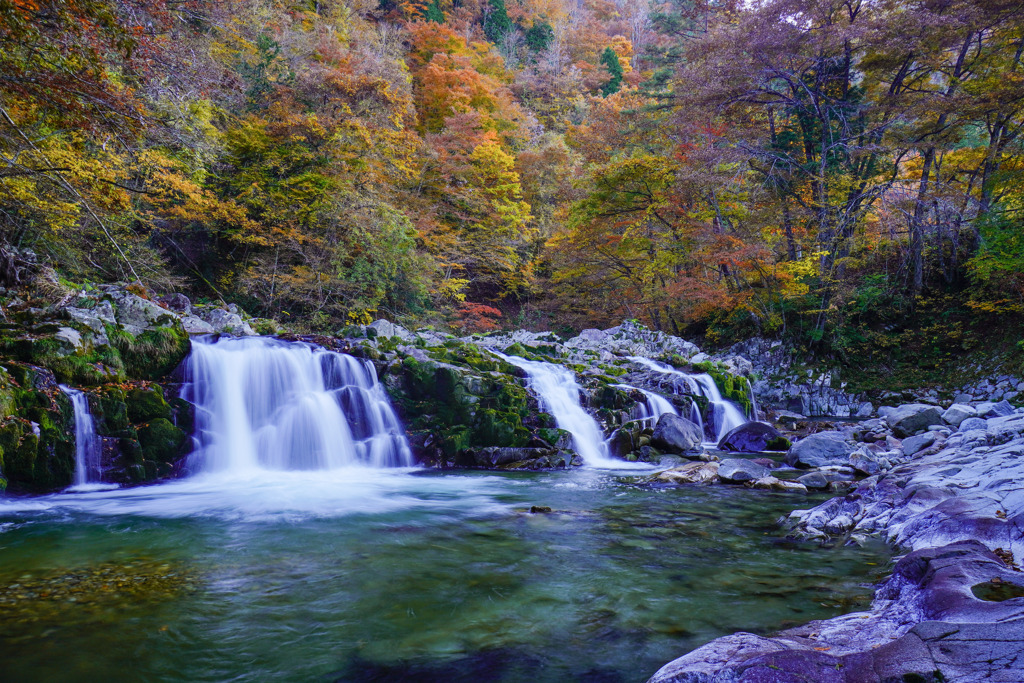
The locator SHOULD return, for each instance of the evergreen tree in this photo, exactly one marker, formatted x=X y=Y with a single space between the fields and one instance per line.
x=539 y=36
x=610 y=60
x=434 y=12
x=497 y=23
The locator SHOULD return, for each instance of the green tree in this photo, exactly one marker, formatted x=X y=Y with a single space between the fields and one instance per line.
x=610 y=60
x=497 y=23
x=539 y=36
x=434 y=13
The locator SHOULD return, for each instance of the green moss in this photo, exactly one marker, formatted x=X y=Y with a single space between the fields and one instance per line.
x=161 y=441
x=147 y=403
x=154 y=353
x=110 y=410
x=779 y=443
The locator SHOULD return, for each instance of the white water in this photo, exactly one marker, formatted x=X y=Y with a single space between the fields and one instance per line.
x=725 y=415
x=266 y=404
x=88 y=444
x=655 y=406
x=560 y=396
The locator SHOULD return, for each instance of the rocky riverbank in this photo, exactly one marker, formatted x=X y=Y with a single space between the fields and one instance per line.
x=953 y=609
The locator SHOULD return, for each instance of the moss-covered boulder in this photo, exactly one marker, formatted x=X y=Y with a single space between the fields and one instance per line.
x=37 y=450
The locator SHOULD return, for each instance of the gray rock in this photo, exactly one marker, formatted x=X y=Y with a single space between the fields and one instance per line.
x=226 y=322
x=593 y=335
x=957 y=413
x=865 y=409
x=179 y=303
x=771 y=483
x=912 y=418
x=1001 y=409
x=676 y=434
x=752 y=437
x=691 y=473
x=69 y=336
x=96 y=319
x=194 y=325
x=814 y=480
x=915 y=444
x=386 y=328
x=136 y=314
x=972 y=423
x=868 y=463
x=738 y=470
x=819 y=450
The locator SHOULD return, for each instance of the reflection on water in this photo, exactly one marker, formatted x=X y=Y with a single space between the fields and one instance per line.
x=370 y=575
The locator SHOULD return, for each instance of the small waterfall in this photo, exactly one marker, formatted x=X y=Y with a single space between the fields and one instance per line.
x=655 y=406
x=266 y=404
x=88 y=444
x=725 y=415
x=560 y=395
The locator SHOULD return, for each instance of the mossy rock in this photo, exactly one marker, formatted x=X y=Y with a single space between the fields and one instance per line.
x=154 y=353
x=147 y=403
x=161 y=441
x=109 y=409
x=85 y=366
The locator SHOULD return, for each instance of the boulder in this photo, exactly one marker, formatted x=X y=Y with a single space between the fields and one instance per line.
x=972 y=423
x=194 y=325
x=691 y=473
x=916 y=444
x=957 y=413
x=738 y=470
x=775 y=484
x=753 y=437
x=179 y=303
x=814 y=480
x=867 y=462
x=820 y=450
x=676 y=434
x=912 y=418
x=136 y=314
x=385 y=328
x=1001 y=409
x=227 y=322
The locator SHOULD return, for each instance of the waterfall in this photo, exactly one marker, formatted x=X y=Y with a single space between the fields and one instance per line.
x=654 y=407
x=560 y=396
x=725 y=415
x=88 y=444
x=266 y=404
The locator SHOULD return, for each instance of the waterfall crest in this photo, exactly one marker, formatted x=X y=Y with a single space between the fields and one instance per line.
x=88 y=444
x=560 y=396
x=267 y=404
x=725 y=415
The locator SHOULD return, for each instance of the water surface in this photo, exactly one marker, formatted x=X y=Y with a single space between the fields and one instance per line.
x=376 y=575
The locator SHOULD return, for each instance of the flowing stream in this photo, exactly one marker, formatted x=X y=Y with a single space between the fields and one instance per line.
x=359 y=574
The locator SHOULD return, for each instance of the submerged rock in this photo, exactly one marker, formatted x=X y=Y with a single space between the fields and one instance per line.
x=738 y=471
x=691 y=473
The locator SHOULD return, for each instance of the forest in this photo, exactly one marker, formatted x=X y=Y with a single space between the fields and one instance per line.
x=846 y=174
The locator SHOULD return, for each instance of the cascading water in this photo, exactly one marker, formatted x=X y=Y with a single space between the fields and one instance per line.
x=266 y=404
x=725 y=415
x=560 y=395
x=654 y=407
x=88 y=444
